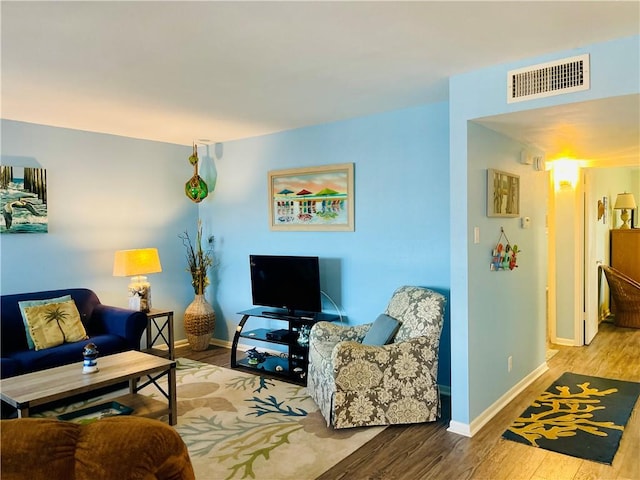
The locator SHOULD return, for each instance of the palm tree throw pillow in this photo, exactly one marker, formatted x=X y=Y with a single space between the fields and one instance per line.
x=32 y=303
x=53 y=324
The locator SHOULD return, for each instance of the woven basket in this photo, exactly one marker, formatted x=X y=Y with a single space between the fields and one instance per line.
x=626 y=297
x=199 y=322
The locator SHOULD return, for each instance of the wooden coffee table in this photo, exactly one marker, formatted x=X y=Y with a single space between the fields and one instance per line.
x=46 y=386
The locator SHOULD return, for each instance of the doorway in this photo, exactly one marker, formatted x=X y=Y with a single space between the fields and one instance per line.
x=583 y=288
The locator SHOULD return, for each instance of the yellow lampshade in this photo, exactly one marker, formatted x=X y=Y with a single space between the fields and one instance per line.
x=128 y=263
x=625 y=201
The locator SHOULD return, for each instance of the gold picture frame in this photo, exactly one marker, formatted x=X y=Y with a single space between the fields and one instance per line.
x=312 y=198
x=503 y=194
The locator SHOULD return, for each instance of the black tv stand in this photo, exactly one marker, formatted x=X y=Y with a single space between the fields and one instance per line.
x=294 y=365
x=288 y=315
x=268 y=313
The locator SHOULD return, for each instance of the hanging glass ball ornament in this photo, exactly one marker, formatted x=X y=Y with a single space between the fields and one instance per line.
x=193 y=159
x=196 y=188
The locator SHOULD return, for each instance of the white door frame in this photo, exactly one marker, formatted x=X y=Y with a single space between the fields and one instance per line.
x=590 y=282
x=574 y=232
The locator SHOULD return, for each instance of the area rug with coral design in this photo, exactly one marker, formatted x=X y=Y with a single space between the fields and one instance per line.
x=238 y=425
x=578 y=415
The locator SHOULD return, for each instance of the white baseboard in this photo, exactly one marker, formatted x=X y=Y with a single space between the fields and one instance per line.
x=469 y=430
x=459 y=428
x=176 y=343
x=221 y=343
x=565 y=342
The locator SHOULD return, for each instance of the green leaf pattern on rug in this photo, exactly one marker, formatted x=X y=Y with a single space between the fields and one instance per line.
x=255 y=442
x=566 y=414
x=243 y=441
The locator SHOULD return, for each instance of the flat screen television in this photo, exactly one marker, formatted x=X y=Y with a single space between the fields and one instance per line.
x=288 y=282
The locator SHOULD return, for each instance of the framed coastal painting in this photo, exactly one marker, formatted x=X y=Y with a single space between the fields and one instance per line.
x=503 y=194
x=23 y=200
x=312 y=198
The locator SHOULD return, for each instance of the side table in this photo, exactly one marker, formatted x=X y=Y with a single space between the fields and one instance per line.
x=160 y=326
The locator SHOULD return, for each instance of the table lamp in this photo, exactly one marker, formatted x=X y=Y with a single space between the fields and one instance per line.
x=625 y=202
x=136 y=264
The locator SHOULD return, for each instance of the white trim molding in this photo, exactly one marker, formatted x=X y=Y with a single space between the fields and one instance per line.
x=459 y=428
x=566 y=342
x=220 y=343
x=469 y=430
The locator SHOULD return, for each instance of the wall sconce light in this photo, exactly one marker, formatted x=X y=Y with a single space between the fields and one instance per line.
x=625 y=202
x=196 y=188
x=136 y=264
x=565 y=173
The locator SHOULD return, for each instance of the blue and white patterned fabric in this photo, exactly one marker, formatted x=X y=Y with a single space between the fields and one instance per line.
x=361 y=385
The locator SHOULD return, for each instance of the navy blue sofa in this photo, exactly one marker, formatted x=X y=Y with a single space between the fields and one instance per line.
x=112 y=329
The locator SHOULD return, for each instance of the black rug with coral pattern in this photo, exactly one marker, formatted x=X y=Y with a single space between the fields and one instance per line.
x=578 y=415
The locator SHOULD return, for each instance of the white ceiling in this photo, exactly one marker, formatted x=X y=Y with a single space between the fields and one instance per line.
x=182 y=71
x=599 y=133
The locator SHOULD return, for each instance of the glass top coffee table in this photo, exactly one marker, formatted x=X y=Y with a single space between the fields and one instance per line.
x=39 y=388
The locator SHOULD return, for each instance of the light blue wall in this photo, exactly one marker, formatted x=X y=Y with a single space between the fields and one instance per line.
x=108 y=193
x=474 y=95
x=401 y=212
x=508 y=314
x=105 y=193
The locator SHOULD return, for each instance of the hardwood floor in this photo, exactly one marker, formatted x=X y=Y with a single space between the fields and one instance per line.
x=428 y=451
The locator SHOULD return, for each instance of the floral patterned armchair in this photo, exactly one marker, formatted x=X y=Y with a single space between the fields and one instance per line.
x=363 y=385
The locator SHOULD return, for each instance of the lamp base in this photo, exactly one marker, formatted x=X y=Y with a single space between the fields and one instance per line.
x=139 y=294
x=624 y=216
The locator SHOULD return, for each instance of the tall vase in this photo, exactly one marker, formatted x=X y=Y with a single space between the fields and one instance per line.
x=199 y=322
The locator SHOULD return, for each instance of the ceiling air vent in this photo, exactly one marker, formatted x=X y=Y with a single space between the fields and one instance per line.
x=548 y=79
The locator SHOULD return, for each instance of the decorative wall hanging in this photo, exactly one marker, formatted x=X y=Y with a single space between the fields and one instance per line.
x=603 y=206
x=196 y=188
x=312 y=198
x=504 y=255
x=23 y=200
x=503 y=194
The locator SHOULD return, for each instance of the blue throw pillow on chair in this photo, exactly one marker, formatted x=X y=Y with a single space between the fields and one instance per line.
x=382 y=330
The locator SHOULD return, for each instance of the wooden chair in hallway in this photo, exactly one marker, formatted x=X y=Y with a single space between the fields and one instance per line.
x=626 y=295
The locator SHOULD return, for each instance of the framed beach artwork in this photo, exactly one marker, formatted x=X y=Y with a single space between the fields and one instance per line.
x=503 y=194
x=312 y=198
x=23 y=200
